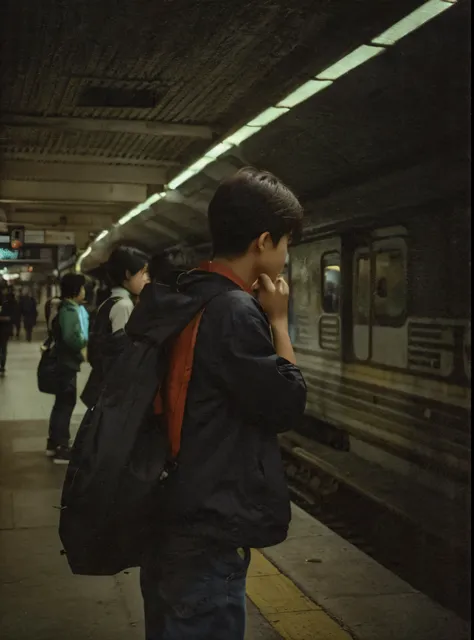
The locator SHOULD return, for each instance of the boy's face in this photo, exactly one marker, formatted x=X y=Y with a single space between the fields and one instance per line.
x=81 y=296
x=271 y=258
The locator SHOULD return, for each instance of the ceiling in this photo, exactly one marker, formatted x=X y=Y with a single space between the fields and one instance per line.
x=103 y=102
x=391 y=136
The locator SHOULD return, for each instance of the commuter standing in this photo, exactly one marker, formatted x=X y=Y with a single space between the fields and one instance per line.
x=70 y=341
x=51 y=308
x=7 y=311
x=127 y=273
x=228 y=492
x=15 y=315
x=29 y=314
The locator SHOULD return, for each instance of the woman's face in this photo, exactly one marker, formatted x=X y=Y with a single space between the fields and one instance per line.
x=135 y=283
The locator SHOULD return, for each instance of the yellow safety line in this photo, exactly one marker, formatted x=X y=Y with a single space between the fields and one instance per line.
x=292 y=614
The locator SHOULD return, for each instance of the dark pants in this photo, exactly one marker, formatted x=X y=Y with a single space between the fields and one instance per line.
x=64 y=404
x=3 y=352
x=29 y=326
x=195 y=594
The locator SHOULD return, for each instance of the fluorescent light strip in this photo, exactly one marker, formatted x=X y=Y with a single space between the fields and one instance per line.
x=218 y=150
x=181 y=178
x=305 y=91
x=267 y=116
x=140 y=208
x=101 y=235
x=359 y=56
x=351 y=61
x=413 y=21
x=241 y=134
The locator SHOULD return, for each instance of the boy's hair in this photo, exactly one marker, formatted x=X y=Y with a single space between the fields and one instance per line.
x=71 y=285
x=248 y=204
x=122 y=260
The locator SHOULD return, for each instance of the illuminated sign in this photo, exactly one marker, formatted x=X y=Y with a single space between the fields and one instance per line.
x=8 y=254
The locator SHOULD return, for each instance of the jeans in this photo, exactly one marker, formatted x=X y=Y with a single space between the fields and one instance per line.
x=195 y=594
x=64 y=404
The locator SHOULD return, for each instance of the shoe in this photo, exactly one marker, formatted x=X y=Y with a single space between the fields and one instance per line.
x=63 y=455
x=50 y=453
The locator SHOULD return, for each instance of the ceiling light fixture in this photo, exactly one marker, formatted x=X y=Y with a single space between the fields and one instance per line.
x=326 y=78
x=351 y=61
x=305 y=91
x=101 y=235
x=413 y=21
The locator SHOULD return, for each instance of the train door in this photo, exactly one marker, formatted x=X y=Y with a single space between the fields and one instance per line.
x=379 y=300
x=316 y=296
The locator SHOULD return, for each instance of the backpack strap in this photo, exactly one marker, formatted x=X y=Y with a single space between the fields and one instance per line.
x=102 y=315
x=170 y=400
x=178 y=379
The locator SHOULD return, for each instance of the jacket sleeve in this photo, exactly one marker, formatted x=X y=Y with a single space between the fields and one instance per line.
x=71 y=332
x=267 y=388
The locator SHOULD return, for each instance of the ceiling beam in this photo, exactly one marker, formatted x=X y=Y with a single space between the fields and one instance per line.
x=34 y=191
x=139 y=127
x=86 y=159
x=161 y=229
x=51 y=220
x=75 y=172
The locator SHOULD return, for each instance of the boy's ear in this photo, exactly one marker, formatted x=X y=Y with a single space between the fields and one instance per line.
x=262 y=240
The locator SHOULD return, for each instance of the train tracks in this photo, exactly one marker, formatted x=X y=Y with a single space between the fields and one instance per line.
x=418 y=557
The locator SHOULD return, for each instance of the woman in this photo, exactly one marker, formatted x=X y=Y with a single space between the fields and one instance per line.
x=127 y=273
x=69 y=340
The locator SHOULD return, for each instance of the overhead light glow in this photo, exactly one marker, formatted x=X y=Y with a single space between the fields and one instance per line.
x=200 y=164
x=267 y=116
x=304 y=92
x=241 y=134
x=413 y=21
x=181 y=178
x=350 y=62
x=101 y=235
x=218 y=150
x=140 y=208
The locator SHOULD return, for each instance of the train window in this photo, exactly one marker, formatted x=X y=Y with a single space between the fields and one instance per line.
x=331 y=269
x=390 y=286
x=362 y=290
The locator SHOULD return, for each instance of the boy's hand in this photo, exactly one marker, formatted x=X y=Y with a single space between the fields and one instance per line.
x=274 y=298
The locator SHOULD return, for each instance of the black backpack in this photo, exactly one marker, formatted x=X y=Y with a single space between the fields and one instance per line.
x=111 y=499
x=100 y=328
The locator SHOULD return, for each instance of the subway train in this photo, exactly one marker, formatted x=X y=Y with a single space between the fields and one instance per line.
x=380 y=320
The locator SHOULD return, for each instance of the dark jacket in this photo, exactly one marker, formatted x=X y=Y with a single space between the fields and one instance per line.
x=6 y=319
x=28 y=309
x=229 y=487
x=68 y=336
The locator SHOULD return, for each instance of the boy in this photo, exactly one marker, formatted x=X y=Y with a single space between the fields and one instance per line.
x=70 y=342
x=229 y=491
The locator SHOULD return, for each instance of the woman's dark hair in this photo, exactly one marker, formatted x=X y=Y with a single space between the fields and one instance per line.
x=71 y=285
x=248 y=204
x=122 y=260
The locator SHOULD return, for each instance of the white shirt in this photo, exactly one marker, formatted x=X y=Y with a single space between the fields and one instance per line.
x=122 y=309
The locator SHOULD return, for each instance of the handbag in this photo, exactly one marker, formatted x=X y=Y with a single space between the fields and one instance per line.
x=47 y=373
x=48 y=377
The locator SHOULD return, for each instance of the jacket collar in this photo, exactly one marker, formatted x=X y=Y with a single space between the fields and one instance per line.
x=215 y=267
